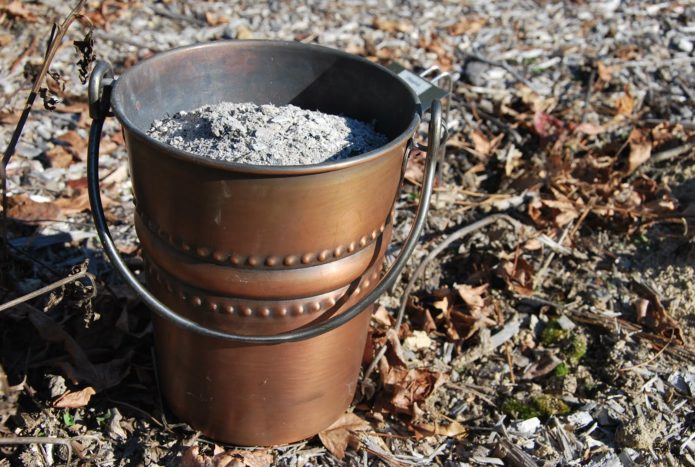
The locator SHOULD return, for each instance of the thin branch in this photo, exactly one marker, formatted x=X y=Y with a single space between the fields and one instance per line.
x=39 y=440
x=418 y=272
x=54 y=42
x=650 y=360
x=443 y=246
x=48 y=288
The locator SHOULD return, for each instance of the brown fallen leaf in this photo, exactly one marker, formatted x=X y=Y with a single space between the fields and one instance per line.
x=590 y=129
x=415 y=167
x=482 y=144
x=473 y=296
x=16 y=9
x=390 y=25
x=5 y=39
x=452 y=430
x=546 y=125
x=467 y=25
x=80 y=369
x=215 y=20
x=420 y=316
x=59 y=157
x=23 y=208
x=9 y=396
x=233 y=458
x=74 y=400
x=405 y=389
x=76 y=144
x=605 y=72
x=652 y=314
x=343 y=432
x=625 y=104
x=640 y=149
x=518 y=276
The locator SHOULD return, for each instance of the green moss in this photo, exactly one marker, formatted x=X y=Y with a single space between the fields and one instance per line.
x=573 y=345
x=517 y=409
x=552 y=334
x=542 y=405
x=550 y=405
x=577 y=350
x=562 y=370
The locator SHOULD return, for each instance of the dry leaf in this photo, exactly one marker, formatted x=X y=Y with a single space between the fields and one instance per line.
x=605 y=73
x=59 y=157
x=472 y=295
x=80 y=368
x=652 y=315
x=5 y=39
x=382 y=316
x=467 y=25
x=215 y=20
x=452 y=430
x=75 y=144
x=18 y=10
x=482 y=144
x=546 y=125
x=420 y=316
x=75 y=400
x=590 y=129
x=242 y=32
x=233 y=458
x=625 y=103
x=337 y=436
x=518 y=275
x=415 y=167
x=389 y=25
x=23 y=208
x=406 y=388
x=640 y=149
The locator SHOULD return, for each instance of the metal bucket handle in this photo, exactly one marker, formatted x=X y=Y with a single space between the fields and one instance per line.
x=100 y=84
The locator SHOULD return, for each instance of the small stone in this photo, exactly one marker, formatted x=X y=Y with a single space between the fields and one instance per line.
x=565 y=323
x=580 y=419
x=683 y=44
x=56 y=384
x=527 y=427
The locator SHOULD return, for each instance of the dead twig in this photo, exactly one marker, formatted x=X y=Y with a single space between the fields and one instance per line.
x=462 y=232
x=510 y=361
x=544 y=269
x=50 y=287
x=648 y=361
x=508 y=68
x=28 y=51
x=54 y=41
x=488 y=344
x=418 y=272
x=39 y=440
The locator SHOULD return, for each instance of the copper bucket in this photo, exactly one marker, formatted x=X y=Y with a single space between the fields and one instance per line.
x=262 y=278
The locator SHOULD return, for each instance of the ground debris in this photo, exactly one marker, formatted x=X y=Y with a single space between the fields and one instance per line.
x=571 y=121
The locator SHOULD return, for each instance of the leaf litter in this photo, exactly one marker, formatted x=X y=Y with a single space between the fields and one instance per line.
x=565 y=342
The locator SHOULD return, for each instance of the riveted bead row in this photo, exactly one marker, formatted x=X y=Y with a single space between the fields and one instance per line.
x=245 y=309
x=235 y=259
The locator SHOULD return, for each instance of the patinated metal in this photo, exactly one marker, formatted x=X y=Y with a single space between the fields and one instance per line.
x=263 y=278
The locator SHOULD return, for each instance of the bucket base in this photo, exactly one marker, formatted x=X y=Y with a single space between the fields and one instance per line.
x=260 y=395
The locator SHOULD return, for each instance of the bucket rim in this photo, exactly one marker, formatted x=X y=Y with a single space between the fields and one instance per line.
x=116 y=105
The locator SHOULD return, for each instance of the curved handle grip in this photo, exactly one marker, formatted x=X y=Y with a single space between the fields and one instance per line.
x=99 y=91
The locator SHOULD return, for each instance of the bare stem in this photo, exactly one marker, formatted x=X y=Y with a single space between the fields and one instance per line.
x=54 y=41
x=48 y=288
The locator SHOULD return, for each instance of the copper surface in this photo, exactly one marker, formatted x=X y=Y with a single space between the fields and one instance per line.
x=262 y=250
